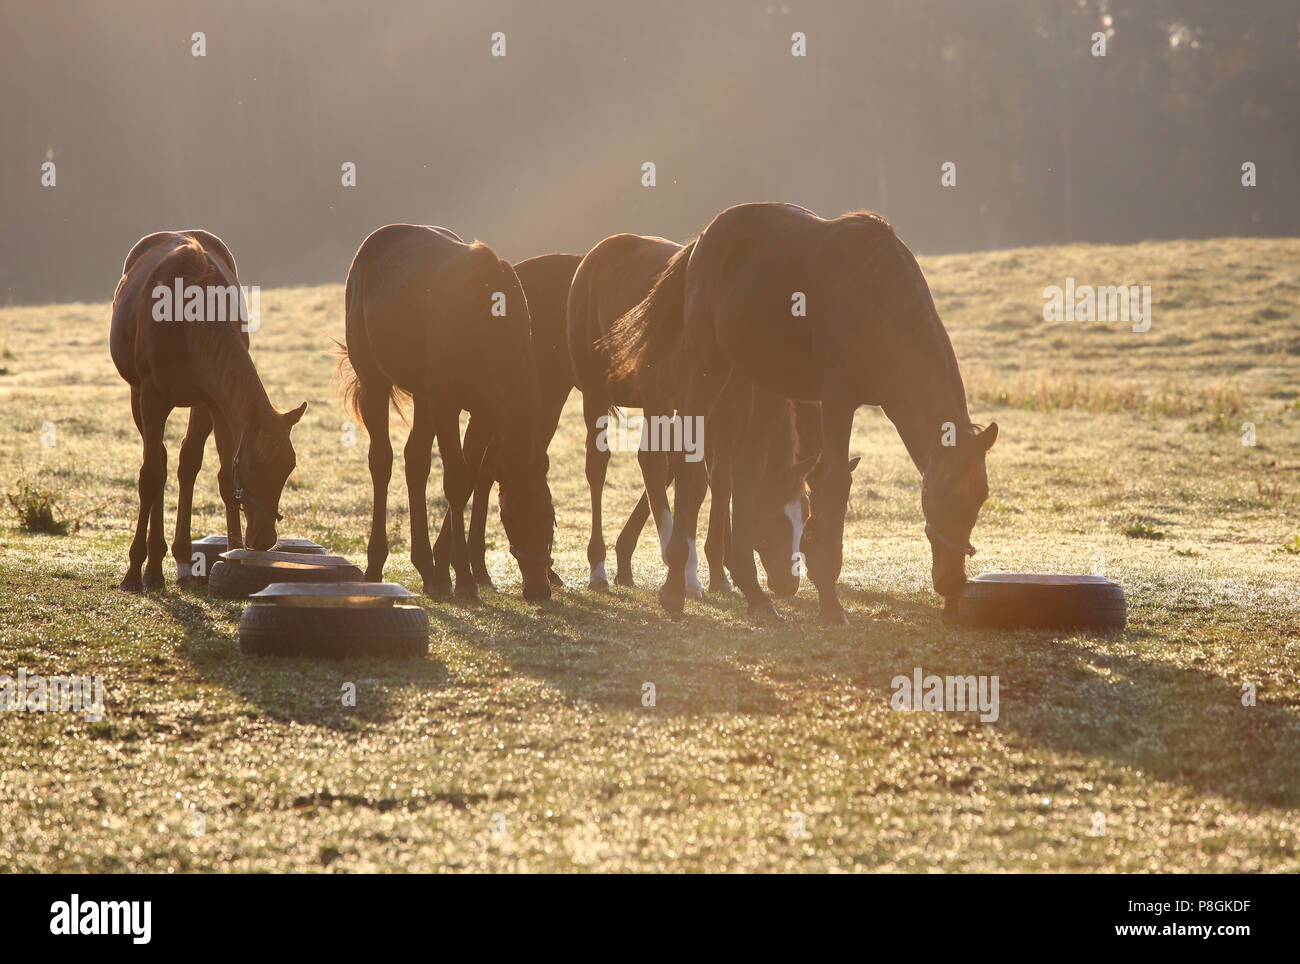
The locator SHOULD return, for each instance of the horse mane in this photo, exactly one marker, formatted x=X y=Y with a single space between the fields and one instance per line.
x=882 y=232
x=871 y=218
x=187 y=260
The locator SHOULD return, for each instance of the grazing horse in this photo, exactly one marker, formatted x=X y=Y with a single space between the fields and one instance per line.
x=546 y=286
x=868 y=334
x=613 y=277
x=194 y=353
x=447 y=323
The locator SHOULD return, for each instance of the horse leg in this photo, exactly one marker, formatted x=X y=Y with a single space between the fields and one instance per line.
x=478 y=459
x=481 y=462
x=457 y=484
x=690 y=482
x=552 y=408
x=191 y=459
x=831 y=500
x=749 y=462
x=717 y=544
x=226 y=443
x=153 y=568
x=374 y=413
x=593 y=407
x=440 y=585
x=625 y=545
x=478 y=529
x=150 y=415
x=419 y=459
x=655 y=472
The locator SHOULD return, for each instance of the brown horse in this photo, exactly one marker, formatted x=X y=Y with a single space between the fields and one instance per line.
x=838 y=311
x=612 y=278
x=546 y=286
x=447 y=323
x=195 y=355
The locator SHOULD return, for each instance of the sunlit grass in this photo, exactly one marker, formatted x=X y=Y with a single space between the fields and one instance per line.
x=535 y=714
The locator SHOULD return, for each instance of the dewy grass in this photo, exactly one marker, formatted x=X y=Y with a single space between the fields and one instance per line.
x=37 y=509
x=522 y=741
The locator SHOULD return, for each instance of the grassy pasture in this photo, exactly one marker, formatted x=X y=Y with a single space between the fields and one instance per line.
x=521 y=742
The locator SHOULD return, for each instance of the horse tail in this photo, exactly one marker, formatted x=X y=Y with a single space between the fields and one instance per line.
x=647 y=334
x=345 y=375
x=349 y=385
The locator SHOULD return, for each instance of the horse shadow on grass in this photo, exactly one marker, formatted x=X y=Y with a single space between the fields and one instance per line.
x=1177 y=724
x=298 y=690
x=1058 y=692
x=604 y=648
x=1071 y=692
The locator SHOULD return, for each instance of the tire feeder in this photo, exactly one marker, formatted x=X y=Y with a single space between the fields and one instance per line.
x=242 y=572
x=334 y=620
x=211 y=548
x=1042 y=601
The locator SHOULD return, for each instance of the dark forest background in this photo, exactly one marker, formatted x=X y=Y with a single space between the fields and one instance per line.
x=542 y=150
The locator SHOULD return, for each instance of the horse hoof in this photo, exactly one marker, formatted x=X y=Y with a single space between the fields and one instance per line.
x=554 y=579
x=190 y=581
x=154 y=583
x=695 y=591
x=467 y=592
x=625 y=580
x=437 y=588
x=834 y=617
x=485 y=583
x=131 y=584
x=673 y=602
x=598 y=585
x=763 y=611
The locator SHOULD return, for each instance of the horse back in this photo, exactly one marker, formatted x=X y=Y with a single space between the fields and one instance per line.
x=438 y=315
x=799 y=302
x=546 y=281
x=611 y=280
x=169 y=353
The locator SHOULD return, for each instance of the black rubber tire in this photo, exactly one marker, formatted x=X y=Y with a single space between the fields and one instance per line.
x=234 y=580
x=1010 y=600
x=211 y=552
x=388 y=632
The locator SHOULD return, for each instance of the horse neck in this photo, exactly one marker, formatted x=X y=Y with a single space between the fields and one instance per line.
x=517 y=423
x=929 y=395
x=233 y=385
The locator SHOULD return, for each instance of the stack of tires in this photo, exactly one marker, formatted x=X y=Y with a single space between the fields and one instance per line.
x=305 y=602
x=243 y=572
x=337 y=620
x=206 y=552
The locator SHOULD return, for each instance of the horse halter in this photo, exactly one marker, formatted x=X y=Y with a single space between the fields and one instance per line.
x=244 y=498
x=936 y=536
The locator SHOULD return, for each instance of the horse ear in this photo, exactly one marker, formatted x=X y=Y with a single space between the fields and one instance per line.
x=988 y=436
x=291 y=418
x=853 y=462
